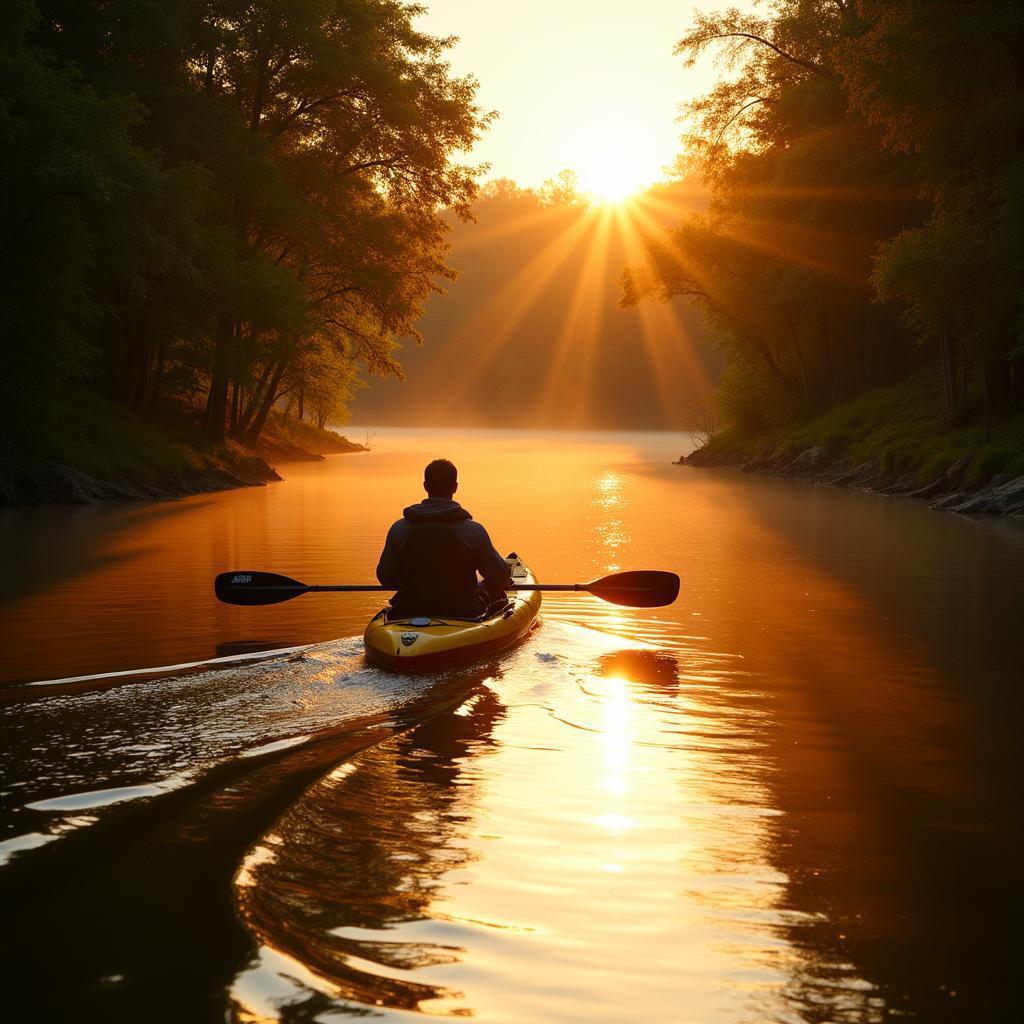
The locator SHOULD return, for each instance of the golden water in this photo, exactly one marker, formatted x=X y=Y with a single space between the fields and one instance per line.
x=788 y=797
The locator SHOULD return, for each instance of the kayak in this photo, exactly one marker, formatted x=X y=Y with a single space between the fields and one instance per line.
x=420 y=643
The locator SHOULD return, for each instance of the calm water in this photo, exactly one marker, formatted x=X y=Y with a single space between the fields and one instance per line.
x=793 y=796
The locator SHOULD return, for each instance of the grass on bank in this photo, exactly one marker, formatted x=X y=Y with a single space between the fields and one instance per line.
x=903 y=427
x=110 y=442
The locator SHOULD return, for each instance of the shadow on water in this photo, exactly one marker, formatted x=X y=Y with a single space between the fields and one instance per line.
x=43 y=546
x=371 y=841
x=133 y=918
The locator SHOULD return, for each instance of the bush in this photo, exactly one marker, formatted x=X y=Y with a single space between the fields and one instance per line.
x=749 y=400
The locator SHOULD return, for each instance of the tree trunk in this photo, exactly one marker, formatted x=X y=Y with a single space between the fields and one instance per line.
x=288 y=408
x=141 y=378
x=158 y=376
x=252 y=432
x=950 y=371
x=217 y=406
x=826 y=351
x=302 y=390
x=250 y=407
x=1017 y=382
x=997 y=383
x=776 y=371
x=805 y=382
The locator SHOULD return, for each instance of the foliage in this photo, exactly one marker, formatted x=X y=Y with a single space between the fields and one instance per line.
x=222 y=201
x=865 y=160
x=943 y=80
x=902 y=427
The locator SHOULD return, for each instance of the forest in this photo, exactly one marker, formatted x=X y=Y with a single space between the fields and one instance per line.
x=228 y=208
x=866 y=163
x=219 y=203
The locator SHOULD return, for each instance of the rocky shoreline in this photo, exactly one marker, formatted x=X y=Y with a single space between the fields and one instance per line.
x=38 y=482
x=30 y=481
x=1002 y=495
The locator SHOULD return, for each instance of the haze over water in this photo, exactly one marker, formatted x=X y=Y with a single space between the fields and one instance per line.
x=791 y=796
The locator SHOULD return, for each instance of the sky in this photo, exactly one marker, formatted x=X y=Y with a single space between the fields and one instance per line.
x=590 y=85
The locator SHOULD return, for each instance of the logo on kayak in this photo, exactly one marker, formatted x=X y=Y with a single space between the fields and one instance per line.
x=408 y=639
x=241 y=578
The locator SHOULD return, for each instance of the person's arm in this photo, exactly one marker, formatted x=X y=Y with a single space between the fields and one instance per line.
x=491 y=566
x=387 y=567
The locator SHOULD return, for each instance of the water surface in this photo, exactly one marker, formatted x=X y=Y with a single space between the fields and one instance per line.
x=789 y=797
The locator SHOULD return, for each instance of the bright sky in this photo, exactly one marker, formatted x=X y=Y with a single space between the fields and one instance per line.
x=586 y=84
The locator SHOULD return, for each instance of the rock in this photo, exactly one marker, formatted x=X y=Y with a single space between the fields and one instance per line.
x=999 y=479
x=956 y=473
x=762 y=462
x=867 y=476
x=932 y=490
x=1007 y=499
x=946 y=503
x=39 y=482
x=707 y=457
x=807 y=462
x=904 y=484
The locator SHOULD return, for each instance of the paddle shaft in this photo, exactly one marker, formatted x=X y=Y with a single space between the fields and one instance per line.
x=367 y=587
x=635 y=589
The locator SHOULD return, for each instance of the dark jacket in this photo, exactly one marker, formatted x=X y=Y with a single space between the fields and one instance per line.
x=448 y=529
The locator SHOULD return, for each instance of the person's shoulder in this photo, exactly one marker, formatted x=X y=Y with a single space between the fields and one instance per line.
x=475 y=532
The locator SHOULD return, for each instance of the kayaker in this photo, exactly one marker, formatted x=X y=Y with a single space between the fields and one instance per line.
x=433 y=553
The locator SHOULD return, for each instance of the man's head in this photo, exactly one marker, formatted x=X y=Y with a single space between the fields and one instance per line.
x=441 y=479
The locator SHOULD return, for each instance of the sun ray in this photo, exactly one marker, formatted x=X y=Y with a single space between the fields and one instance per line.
x=481 y=338
x=484 y=235
x=659 y=324
x=586 y=307
x=756 y=238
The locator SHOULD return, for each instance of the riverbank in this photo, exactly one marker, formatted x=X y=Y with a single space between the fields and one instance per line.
x=895 y=440
x=99 y=452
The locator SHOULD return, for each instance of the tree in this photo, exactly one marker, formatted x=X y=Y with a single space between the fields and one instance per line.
x=234 y=189
x=353 y=117
x=561 y=190
x=802 y=195
x=90 y=220
x=943 y=80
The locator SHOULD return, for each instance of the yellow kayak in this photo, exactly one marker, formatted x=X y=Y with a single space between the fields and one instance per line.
x=418 y=643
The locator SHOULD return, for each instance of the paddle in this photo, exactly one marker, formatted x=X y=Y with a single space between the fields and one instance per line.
x=637 y=589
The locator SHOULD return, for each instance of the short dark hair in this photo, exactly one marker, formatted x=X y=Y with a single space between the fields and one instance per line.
x=440 y=475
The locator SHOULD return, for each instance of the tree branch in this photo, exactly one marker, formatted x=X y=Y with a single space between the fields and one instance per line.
x=810 y=65
x=746 y=106
x=12 y=237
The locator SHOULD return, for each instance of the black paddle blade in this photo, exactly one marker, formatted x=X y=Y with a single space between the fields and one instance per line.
x=256 y=588
x=639 y=589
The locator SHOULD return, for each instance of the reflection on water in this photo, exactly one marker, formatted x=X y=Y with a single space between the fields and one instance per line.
x=789 y=797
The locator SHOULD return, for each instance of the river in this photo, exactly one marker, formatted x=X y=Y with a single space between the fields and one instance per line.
x=792 y=796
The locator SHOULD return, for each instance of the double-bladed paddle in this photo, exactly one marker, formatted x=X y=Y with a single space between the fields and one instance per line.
x=636 y=589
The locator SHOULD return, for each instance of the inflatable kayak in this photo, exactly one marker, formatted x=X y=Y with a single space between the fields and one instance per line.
x=419 y=643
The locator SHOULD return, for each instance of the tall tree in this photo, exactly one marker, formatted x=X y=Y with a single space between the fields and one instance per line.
x=353 y=117
x=945 y=82
x=781 y=263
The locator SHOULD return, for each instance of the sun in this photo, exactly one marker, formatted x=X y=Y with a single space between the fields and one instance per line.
x=610 y=183
x=615 y=173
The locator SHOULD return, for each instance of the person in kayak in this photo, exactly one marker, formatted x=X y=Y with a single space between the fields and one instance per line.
x=433 y=553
